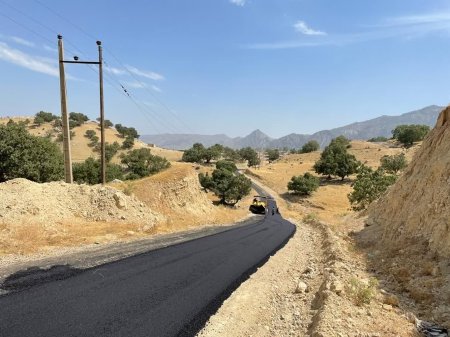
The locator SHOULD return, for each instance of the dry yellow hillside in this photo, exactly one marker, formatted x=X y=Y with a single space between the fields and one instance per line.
x=79 y=143
x=329 y=203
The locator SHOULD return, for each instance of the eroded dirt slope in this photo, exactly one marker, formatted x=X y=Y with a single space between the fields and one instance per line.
x=409 y=233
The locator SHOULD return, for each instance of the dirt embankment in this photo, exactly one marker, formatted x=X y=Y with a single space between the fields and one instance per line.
x=36 y=217
x=409 y=233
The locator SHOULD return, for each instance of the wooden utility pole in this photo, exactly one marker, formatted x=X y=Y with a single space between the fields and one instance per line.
x=64 y=108
x=102 y=115
x=64 y=116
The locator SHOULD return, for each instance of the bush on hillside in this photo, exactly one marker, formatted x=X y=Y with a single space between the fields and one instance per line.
x=77 y=119
x=23 y=155
x=408 y=134
x=310 y=146
x=89 y=172
x=393 y=164
x=107 y=122
x=250 y=155
x=126 y=132
x=141 y=163
x=44 y=117
x=90 y=133
x=227 y=185
x=369 y=186
x=336 y=161
x=128 y=143
x=272 y=154
x=378 y=139
x=303 y=185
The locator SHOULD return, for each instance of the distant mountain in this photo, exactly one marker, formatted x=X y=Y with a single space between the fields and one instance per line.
x=380 y=126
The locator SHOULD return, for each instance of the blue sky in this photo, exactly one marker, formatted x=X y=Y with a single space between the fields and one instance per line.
x=228 y=66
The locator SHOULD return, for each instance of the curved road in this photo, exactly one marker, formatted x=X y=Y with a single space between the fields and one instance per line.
x=166 y=292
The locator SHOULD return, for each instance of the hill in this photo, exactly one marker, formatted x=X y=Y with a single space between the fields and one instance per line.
x=409 y=228
x=79 y=143
x=380 y=126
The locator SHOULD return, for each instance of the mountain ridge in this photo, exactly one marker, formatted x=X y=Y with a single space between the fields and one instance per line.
x=379 y=126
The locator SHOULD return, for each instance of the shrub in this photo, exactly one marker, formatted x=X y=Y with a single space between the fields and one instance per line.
x=44 y=117
x=369 y=186
x=206 y=181
x=303 y=185
x=393 y=164
x=90 y=133
x=250 y=155
x=408 y=134
x=272 y=154
x=226 y=165
x=89 y=172
x=126 y=132
x=23 y=155
x=141 y=163
x=195 y=154
x=310 y=146
x=128 y=143
x=360 y=292
x=378 y=139
x=77 y=119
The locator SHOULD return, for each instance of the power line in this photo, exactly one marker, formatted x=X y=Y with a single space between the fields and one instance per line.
x=160 y=102
x=144 y=109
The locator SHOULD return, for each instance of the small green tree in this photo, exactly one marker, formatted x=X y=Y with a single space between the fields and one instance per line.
x=310 y=146
x=212 y=153
x=393 y=164
x=378 y=139
x=272 y=154
x=228 y=187
x=23 y=155
x=336 y=161
x=195 y=154
x=126 y=132
x=230 y=154
x=250 y=155
x=111 y=150
x=206 y=181
x=128 y=143
x=90 y=133
x=141 y=163
x=303 y=185
x=369 y=186
x=107 y=122
x=408 y=134
x=44 y=117
x=226 y=165
x=88 y=172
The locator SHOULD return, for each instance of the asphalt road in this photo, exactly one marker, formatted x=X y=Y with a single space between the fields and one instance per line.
x=166 y=292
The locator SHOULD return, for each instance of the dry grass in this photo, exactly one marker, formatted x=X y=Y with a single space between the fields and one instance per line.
x=329 y=202
x=79 y=143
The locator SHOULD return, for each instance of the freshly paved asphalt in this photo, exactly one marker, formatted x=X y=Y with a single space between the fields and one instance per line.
x=166 y=292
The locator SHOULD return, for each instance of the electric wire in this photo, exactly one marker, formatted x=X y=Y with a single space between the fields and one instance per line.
x=159 y=101
x=110 y=81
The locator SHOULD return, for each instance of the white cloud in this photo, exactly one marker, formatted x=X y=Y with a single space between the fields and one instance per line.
x=302 y=27
x=51 y=49
x=144 y=73
x=130 y=69
x=404 y=27
x=238 y=2
x=21 y=41
x=28 y=61
x=136 y=85
x=115 y=71
x=155 y=88
x=413 y=20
